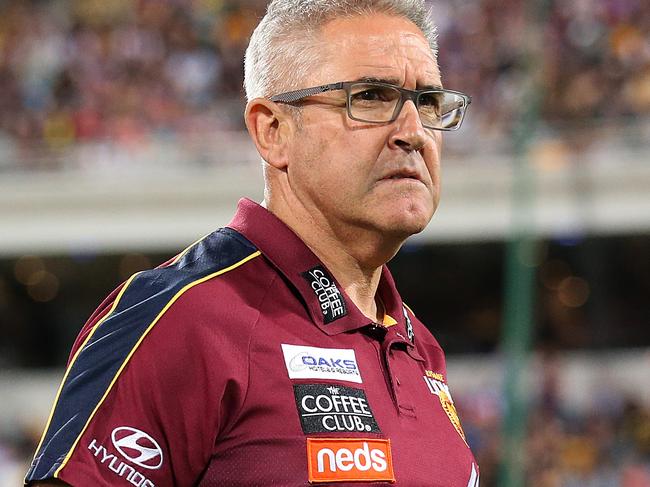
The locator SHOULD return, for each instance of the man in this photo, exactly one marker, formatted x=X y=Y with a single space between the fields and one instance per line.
x=277 y=351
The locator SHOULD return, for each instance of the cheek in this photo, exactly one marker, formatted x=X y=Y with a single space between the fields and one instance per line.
x=319 y=169
x=432 y=158
x=346 y=160
x=338 y=156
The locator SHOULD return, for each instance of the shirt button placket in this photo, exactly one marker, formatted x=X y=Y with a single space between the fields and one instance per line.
x=391 y=356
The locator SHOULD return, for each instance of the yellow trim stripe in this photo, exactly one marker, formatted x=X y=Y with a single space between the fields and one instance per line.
x=74 y=358
x=180 y=256
x=135 y=347
x=115 y=303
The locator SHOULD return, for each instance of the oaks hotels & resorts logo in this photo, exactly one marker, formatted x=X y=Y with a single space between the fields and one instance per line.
x=305 y=362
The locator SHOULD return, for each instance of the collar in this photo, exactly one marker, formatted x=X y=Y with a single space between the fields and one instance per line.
x=328 y=305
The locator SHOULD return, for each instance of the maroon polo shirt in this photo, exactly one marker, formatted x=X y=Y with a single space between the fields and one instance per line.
x=242 y=362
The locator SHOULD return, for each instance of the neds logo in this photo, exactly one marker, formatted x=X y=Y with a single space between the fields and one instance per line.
x=349 y=459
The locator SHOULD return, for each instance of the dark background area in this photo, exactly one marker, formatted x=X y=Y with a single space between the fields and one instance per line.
x=591 y=293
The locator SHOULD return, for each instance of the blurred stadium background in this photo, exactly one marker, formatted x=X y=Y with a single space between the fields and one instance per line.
x=121 y=141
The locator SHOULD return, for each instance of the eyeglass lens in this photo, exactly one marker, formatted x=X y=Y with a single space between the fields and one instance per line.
x=377 y=103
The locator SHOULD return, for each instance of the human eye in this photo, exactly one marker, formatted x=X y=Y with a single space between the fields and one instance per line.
x=370 y=94
x=431 y=101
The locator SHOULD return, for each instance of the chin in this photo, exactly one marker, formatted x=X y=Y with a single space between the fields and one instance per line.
x=404 y=231
x=409 y=222
x=400 y=215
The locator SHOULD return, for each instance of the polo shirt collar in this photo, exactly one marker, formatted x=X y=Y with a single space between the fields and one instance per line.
x=327 y=303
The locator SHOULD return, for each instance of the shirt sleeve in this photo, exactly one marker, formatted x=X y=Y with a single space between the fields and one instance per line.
x=150 y=384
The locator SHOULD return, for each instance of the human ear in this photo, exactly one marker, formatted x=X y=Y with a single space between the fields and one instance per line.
x=270 y=128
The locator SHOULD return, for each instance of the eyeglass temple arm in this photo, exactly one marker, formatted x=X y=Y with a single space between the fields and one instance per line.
x=291 y=96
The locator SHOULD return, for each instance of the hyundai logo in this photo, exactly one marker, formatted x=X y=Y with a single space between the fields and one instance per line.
x=137 y=447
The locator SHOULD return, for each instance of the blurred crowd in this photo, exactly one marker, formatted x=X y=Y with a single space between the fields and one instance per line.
x=130 y=71
x=603 y=443
x=605 y=446
x=120 y=70
x=583 y=61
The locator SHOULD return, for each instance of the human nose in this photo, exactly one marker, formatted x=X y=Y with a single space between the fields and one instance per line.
x=408 y=134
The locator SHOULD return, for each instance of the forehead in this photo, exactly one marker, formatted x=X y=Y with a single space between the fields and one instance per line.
x=377 y=46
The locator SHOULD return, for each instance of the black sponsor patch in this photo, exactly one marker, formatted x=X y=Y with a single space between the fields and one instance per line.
x=333 y=409
x=329 y=297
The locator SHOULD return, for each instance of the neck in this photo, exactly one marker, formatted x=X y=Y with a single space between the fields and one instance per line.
x=354 y=256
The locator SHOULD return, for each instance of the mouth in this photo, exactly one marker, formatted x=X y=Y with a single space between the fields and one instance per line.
x=403 y=177
x=403 y=174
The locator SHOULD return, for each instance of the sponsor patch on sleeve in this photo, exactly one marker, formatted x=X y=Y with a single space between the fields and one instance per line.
x=327 y=408
x=132 y=455
x=305 y=362
x=349 y=459
x=330 y=299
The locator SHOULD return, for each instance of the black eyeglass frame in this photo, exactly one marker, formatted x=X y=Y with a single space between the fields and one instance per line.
x=405 y=94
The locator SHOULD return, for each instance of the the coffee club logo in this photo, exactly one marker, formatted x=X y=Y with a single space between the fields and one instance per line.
x=333 y=408
x=332 y=303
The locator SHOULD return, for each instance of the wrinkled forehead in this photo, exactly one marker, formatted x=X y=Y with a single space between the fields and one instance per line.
x=379 y=46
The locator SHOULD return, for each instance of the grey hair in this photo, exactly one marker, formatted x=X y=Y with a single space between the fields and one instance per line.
x=284 y=46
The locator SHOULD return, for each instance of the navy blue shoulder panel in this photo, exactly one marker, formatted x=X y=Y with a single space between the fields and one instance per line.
x=104 y=354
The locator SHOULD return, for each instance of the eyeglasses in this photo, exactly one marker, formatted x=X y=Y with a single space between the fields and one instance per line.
x=376 y=102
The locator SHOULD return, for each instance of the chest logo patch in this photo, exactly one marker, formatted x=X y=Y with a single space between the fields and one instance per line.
x=349 y=459
x=330 y=299
x=333 y=409
x=437 y=386
x=321 y=363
